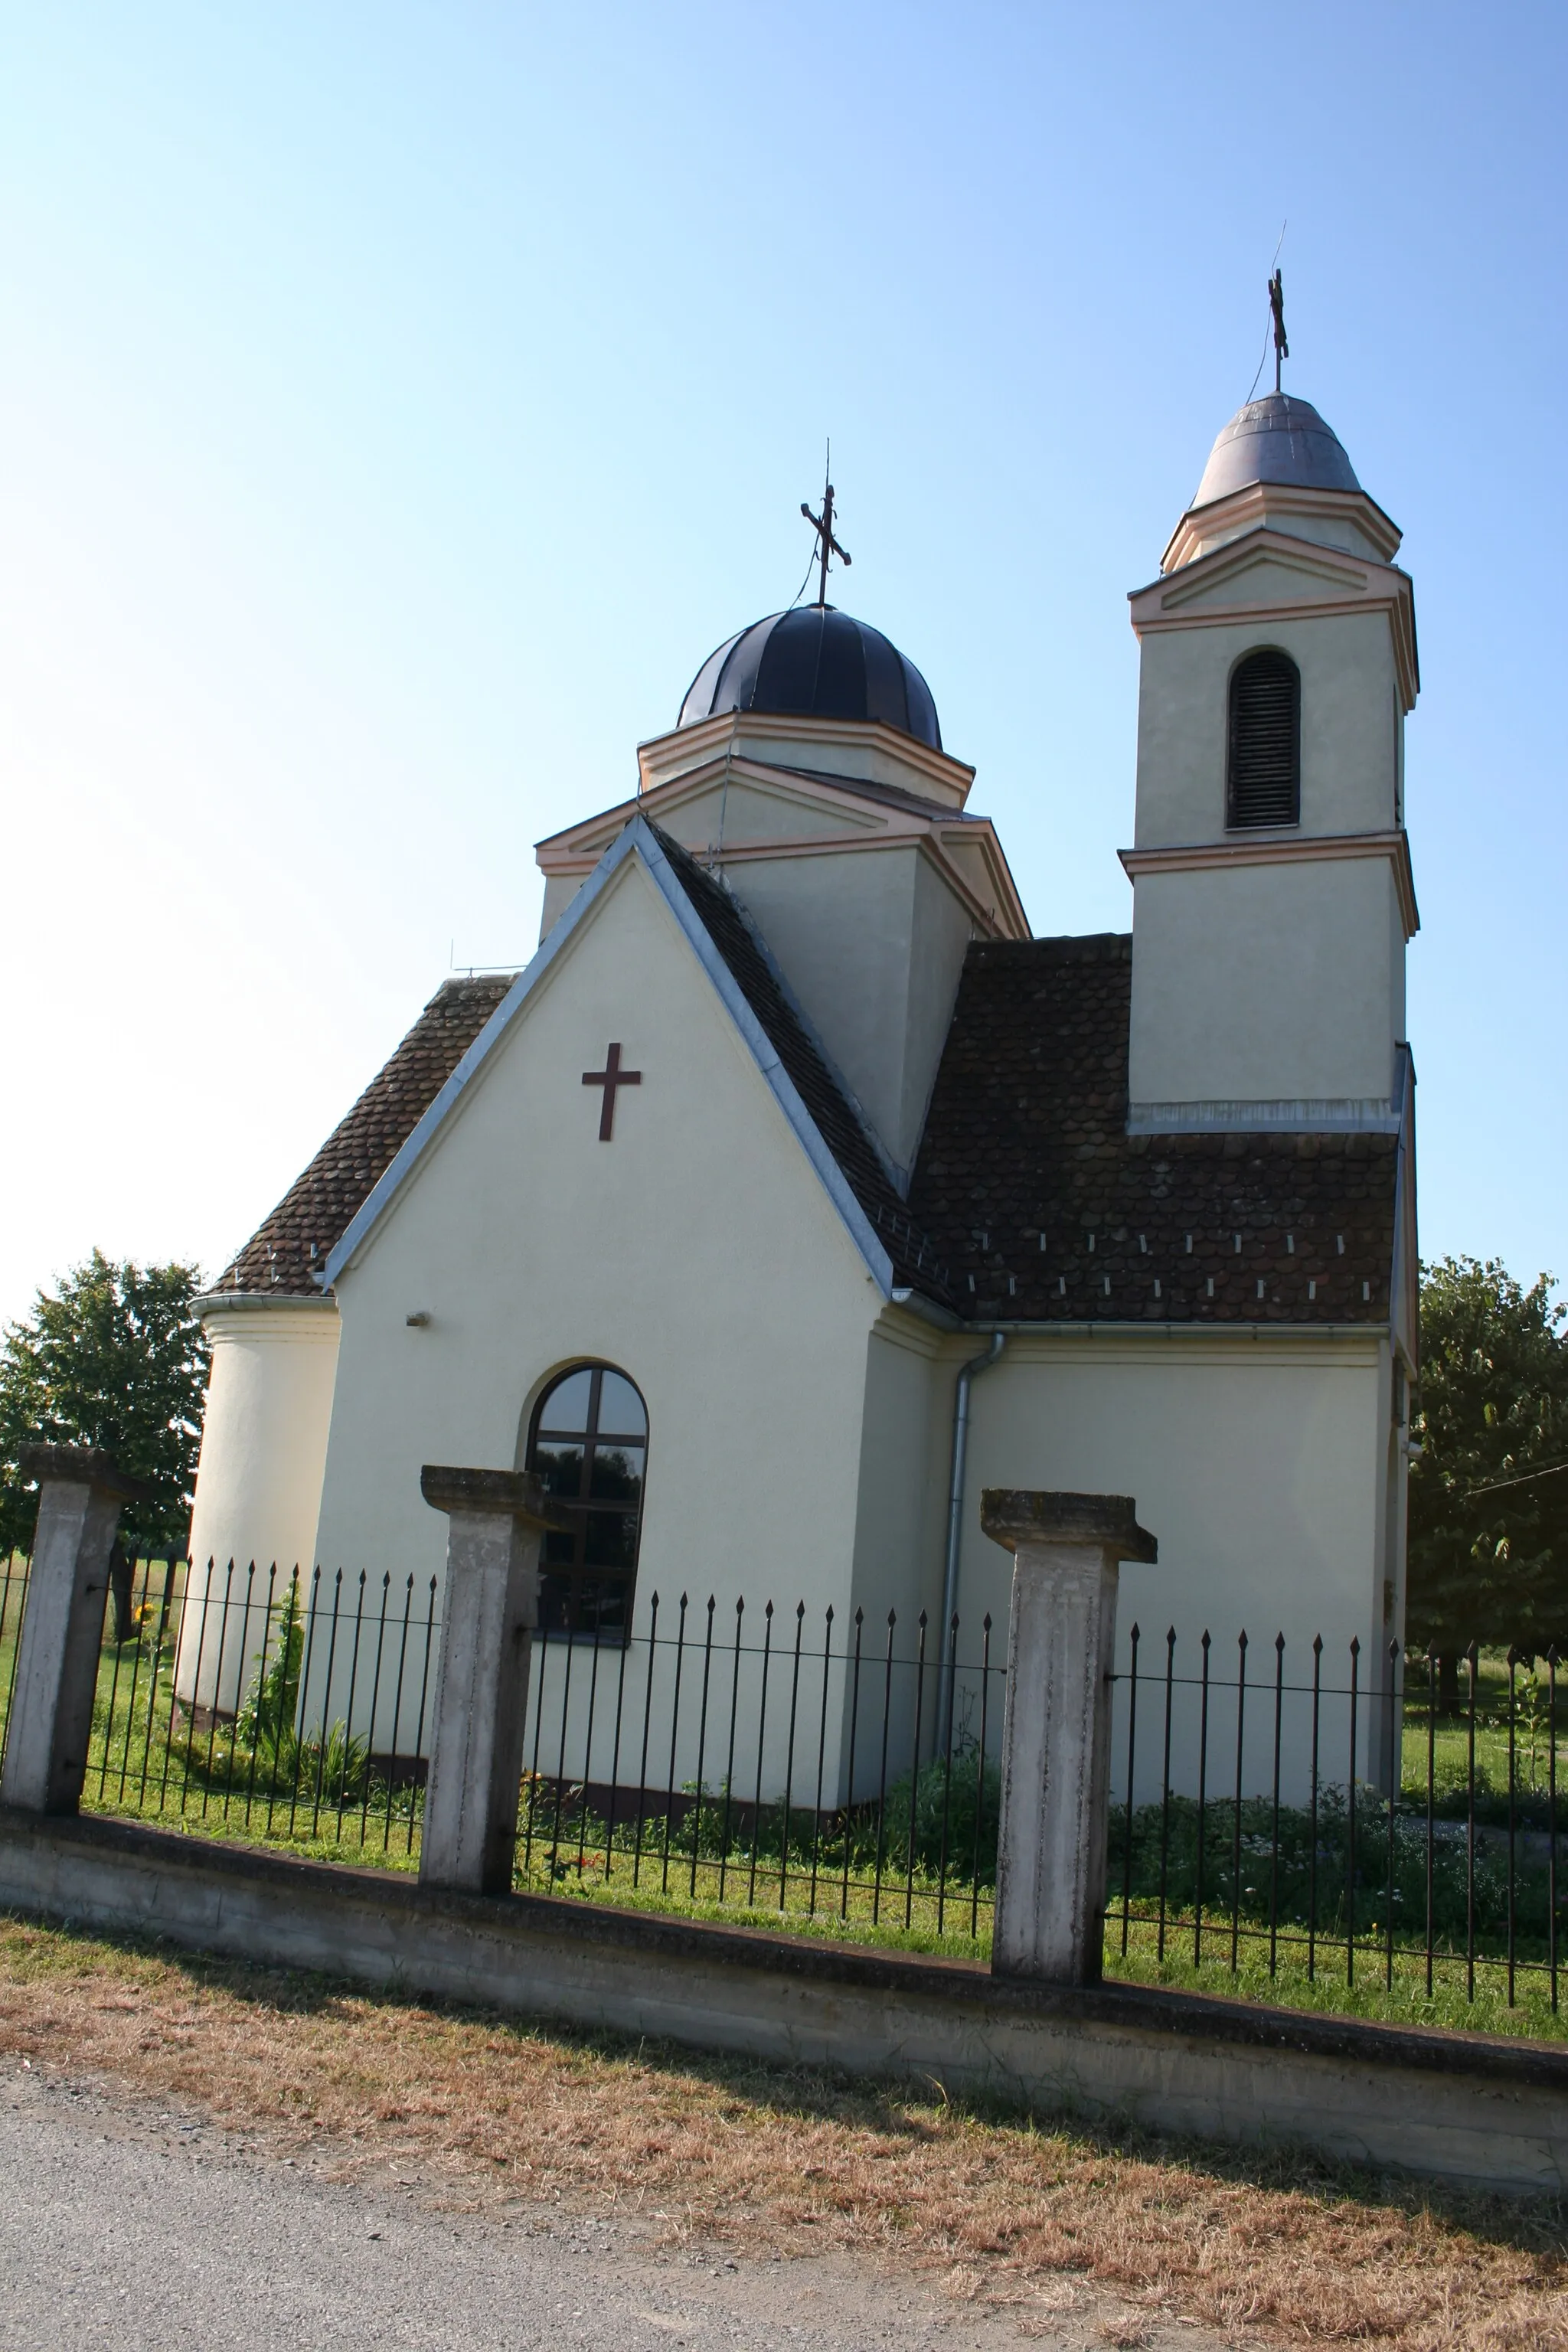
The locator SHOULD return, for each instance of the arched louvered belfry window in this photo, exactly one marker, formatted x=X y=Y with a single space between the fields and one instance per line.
x=1263 y=766
x=588 y=1444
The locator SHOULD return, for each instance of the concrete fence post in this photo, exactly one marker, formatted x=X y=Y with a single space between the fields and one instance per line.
x=79 y=1499
x=496 y=1520
x=1056 y=1736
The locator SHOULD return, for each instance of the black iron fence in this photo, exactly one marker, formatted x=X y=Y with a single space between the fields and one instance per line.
x=1294 y=1818
x=212 y=1702
x=725 y=1757
x=1338 y=1817
x=729 y=1756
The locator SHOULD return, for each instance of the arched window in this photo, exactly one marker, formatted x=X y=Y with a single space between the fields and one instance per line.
x=1263 y=769
x=589 y=1445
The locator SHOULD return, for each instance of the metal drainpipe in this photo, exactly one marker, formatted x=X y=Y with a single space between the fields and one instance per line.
x=955 y=1525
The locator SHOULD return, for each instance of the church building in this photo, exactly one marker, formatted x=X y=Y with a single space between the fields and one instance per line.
x=794 y=1192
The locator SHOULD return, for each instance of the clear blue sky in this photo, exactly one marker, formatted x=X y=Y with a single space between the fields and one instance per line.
x=398 y=403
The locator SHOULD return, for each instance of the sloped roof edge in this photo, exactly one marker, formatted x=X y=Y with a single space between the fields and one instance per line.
x=639 y=838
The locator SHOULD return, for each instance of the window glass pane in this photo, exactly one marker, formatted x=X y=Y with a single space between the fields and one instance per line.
x=566 y=1405
x=621 y=1410
x=560 y=1465
x=583 y=1605
x=589 y=1454
x=604 y=1607
x=554 y=1602
x=609 y=1539
x=616 y=1475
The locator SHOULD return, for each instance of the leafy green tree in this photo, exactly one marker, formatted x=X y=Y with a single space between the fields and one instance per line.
x=115 y=1358
x=1489 y=1536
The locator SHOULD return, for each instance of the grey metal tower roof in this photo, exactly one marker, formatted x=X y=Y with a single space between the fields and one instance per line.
x=814 y=662
x=1276 y=440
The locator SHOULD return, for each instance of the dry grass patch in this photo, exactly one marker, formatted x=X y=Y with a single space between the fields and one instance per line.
x=1272 y=2246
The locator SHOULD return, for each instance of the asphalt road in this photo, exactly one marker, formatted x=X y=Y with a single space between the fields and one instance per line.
x=127 y=2225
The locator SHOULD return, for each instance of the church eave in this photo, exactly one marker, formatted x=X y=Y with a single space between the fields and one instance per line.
x=1263 y=499
x=663 y=757
x=1166 y=1328
x=877 y=805
x=1284 y=850
x=894 y=820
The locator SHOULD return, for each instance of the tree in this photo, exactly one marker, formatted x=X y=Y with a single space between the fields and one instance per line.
x=1488 y=1535
x=116 y=1357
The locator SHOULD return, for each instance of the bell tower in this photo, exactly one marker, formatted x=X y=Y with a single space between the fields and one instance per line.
x=1272 y=890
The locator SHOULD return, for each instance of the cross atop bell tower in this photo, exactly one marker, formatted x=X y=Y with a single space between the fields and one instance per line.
x=1276 y=309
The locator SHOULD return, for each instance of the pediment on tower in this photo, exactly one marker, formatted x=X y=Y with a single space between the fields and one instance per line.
x=730 y=808
x=1270 y=575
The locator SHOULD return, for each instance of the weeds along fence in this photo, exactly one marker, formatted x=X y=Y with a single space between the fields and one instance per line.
x=1281 y=1811
x=1282 y=1817
x=744 y=1760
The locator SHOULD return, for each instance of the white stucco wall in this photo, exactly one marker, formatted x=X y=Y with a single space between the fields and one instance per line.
x=1266 y=983
x=699 y=1251
x=942 y=930
x=872 y=942
x=1350 y=722
x=897 y=1556
x=258 y=1478
x=1261 y=1466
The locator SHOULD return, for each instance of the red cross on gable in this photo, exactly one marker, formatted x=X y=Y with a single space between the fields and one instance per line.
x=611 y=1077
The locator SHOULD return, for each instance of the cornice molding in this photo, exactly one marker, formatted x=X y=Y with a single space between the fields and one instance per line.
x=592 y=835
x=1355 y=584
x=882 y=824
x=663 y=756
x=1259 y=500
x=1005 y=920
x=289 y=1307
x=1273 y=849
x=1303 y=1115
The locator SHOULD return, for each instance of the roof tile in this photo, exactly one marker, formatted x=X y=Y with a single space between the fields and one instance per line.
x=1045 y=1209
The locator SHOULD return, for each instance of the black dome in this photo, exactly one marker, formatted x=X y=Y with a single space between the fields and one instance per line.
x=814 y=662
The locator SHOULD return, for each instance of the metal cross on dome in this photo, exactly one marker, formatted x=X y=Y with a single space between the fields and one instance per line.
x=611 y=1077
x=822 y=525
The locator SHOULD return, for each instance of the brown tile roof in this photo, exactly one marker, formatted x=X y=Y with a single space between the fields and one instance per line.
x=1045 y=1209
x=281 y=1256
x=915 y=1261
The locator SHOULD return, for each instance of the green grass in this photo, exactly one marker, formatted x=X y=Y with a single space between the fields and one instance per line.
x=1327 y=1991
x=1451 y=1743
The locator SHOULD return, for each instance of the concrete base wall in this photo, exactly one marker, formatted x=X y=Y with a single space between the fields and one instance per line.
x=1488 y=2113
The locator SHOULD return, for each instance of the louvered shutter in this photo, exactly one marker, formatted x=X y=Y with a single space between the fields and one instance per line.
x=1263 y=783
